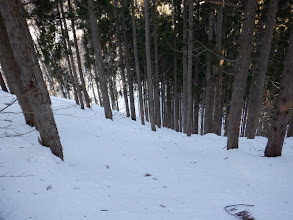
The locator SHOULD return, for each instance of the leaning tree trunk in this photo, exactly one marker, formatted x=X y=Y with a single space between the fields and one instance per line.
x=256 y=96
x=81 y=76
x=31 y=75
x=241 y=71
x=137 y=64
x=189 y=70
x=283 y=106
x=98 y=60
x=128 y=70
x=13 y=75
x=149 y=65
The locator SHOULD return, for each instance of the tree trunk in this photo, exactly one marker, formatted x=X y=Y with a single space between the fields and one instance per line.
x=290 y=128
x=129 y=75
x=220 y=33
x=86 y=96
x=137 y=63
x=241 y=71
x=283 y=106
x=208 y=115
x=71 y=56
x=98 y=60
x=256 y=96
x=118 y=40
x=31 y=75
x=156 y=85
x=2 y=83
x=189 y=71
x=184 y=62
x=149 y=65
x=13 y=75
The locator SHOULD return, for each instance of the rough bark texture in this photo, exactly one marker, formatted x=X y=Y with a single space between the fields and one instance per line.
x=31 y=75
x=81 y=75
x=98 y=59
x=71 y=57
x=13 y=75
x=256 y=96
x=137 y=64
x=208 y=115
x=241 y=71
x=189 y=70
x=149 y=65
x=156 y=85
x=283 y=106
x=128 y=70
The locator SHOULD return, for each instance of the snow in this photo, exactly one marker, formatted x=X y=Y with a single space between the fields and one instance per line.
x=104 y=173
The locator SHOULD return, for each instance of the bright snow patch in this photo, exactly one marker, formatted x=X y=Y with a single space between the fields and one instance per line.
x=104 y=175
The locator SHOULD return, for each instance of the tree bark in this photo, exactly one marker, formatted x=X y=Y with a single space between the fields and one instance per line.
x=137 y=64
x=2 y=83
x=283 y=106
x=98 y=60
x=256 y=96
x=189 y=69
x=31 y=75
x=208 y=115
x=129 y=75
x=156 y=85
x=290 y=128
x=241 y=71
x=81 y=75
x=149 y=66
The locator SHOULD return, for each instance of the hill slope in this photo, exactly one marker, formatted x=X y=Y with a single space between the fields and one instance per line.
x=121 y=170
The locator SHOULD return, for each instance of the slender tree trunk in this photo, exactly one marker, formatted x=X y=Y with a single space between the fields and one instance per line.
x=242 y=67
x=70 y=56
x=156 y=84
x=195 y=98
x=208 y=116
x=176 y=98
x=98 y=86
x=31 y=75
x=256 y=96
x=118 y=41
x=2 y=84
x=86 y=96
x=189 y=71
x=137 y=63
x=129 y=75
x=220 y=33
x=184 y=61
x=283 y=106
x=98 y=60
x=146 y=103
x=149 y=66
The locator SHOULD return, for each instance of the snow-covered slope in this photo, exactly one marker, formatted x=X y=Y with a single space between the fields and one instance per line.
x=121 y=170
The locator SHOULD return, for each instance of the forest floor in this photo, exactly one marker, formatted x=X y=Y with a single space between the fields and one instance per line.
x=122 y=170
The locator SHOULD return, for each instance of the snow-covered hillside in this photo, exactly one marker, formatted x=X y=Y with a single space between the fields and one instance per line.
x=122 y=170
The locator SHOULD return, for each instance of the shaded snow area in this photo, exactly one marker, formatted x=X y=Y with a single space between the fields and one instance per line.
x=122 y=170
